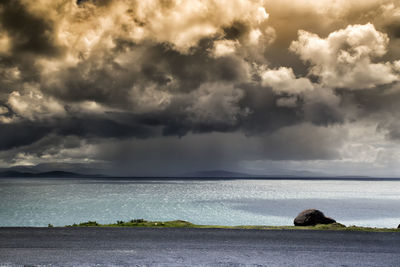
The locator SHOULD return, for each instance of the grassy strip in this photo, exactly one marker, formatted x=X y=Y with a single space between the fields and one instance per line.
x=185 y=224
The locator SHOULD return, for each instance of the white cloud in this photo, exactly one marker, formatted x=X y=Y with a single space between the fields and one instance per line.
x=3 y=110
x=32 y=104
x=396 y=65
x=178 y=23
x=283 y=80
x=224 y=48
x=5 y=43
x=344 y=58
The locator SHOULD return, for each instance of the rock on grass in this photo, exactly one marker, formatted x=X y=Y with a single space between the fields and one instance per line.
x=312 y=217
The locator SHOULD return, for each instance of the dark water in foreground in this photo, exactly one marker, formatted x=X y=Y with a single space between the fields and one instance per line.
x=37 y=202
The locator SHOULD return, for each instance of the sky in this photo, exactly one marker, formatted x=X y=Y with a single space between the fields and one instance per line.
x=167 y=87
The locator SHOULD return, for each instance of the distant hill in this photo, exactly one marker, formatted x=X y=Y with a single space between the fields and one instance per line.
x=74 y=168
x=50 y=174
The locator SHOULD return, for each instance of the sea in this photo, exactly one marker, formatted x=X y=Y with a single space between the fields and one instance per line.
x=60 y=202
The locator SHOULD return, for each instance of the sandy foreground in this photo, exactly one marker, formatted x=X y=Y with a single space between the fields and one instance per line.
x=190 y=247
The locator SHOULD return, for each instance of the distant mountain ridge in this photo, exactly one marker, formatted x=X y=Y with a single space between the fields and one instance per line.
x=66 y=174
x=50 y=174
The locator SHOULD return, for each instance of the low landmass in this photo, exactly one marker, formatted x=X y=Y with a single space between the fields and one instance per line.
x=185 y=224
x=49 y=174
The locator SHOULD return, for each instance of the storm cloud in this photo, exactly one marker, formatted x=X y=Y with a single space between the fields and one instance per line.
x=190 y=85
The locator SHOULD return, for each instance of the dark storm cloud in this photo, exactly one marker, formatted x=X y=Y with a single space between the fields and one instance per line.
x=96 y=71
x=29 y=33
x=20 y=134
x=324 y=108
x=235 y=31
x=172 y=155
x=119 y=126
x=96 y=2
x=394 y=29
x=381 y=104
x=102 y=127
x=266 y=116
x=103 y=79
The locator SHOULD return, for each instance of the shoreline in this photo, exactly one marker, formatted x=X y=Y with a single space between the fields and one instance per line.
x=141 y=223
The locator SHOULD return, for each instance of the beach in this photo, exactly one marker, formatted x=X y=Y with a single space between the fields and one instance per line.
x=95 y=246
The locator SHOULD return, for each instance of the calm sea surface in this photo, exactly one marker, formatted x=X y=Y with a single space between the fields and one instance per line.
x=38 y=202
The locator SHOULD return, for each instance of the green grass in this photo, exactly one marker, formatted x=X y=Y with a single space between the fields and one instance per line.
x=185 y=224
x=138 y=223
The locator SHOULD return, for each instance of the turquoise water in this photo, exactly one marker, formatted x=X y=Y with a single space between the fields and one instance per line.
x=38 y=202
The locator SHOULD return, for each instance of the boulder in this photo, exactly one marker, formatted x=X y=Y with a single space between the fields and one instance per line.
x=312 y=217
